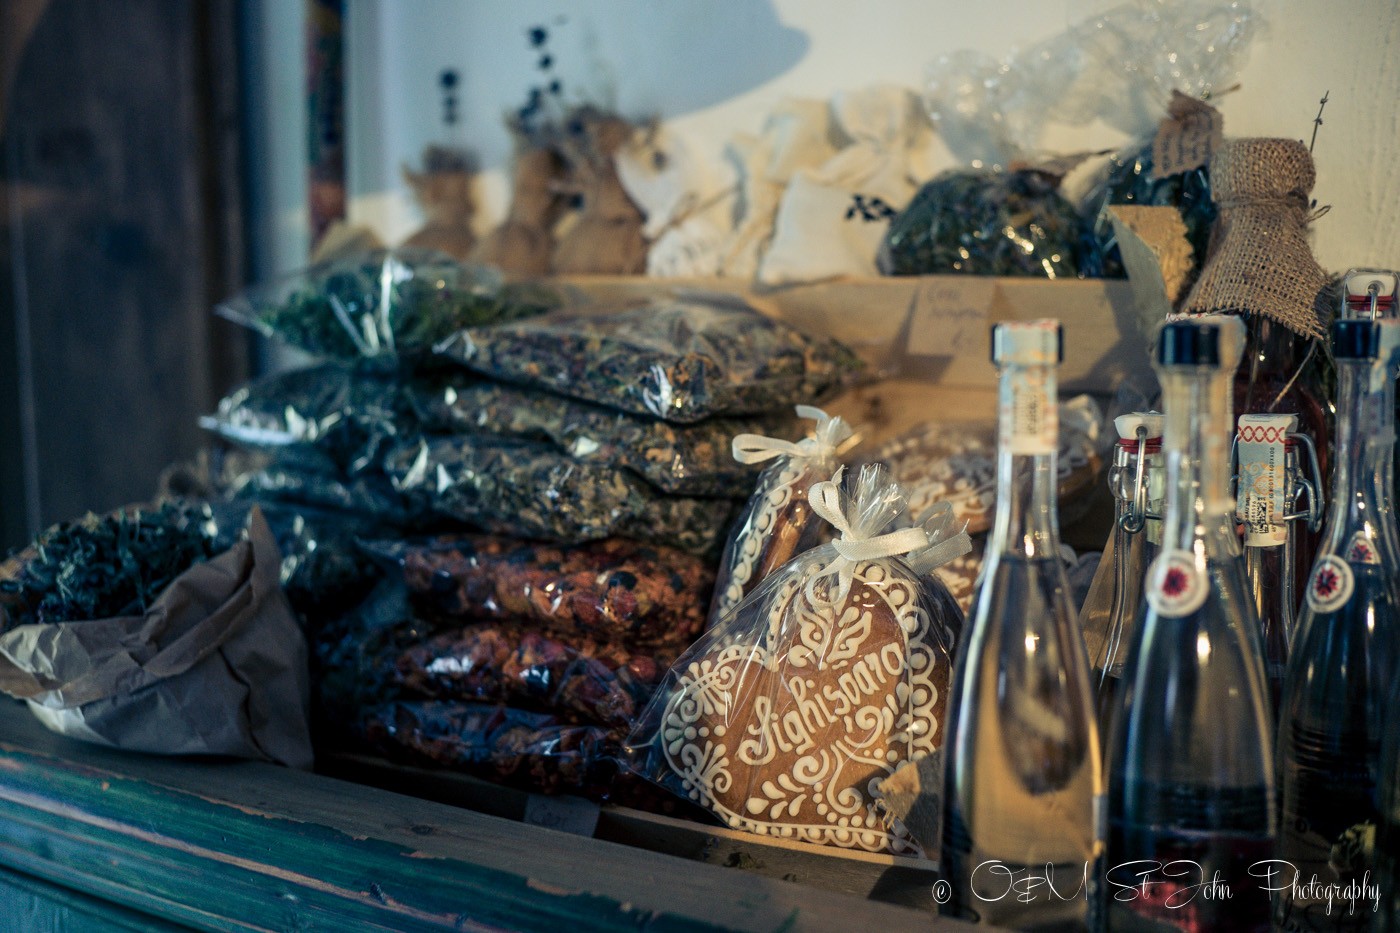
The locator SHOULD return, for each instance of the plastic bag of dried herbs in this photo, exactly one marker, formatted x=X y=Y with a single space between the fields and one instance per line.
x=383 y=303
x=613 y=590
x=324 y=570
x=684 y=460
x=349 y=412
x=532 y=490
x=975 y=222
x=535 y=751
x=129 y=630
x=681 y=359
x=777 y=524
x=584 y=682
x=309 y=478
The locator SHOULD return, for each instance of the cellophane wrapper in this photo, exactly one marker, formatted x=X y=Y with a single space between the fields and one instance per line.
x=615 y=590
x=382 y=304
x=679 y=359
x=777 y=523
x=784 y=718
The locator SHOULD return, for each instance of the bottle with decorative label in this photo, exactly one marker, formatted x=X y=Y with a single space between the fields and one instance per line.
x=1110 y=609
x=1024 y=775
x=1344 y=660
x=1274 y=490
x=1190 y=777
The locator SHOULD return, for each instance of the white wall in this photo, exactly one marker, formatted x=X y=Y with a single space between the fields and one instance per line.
x=715 y=67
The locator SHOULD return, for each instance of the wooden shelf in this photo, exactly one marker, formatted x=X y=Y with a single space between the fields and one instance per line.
x=244 y=846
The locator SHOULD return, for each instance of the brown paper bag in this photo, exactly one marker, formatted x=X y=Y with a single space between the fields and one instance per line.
x=216 y=666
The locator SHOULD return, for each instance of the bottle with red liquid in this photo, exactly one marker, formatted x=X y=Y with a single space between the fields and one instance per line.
x=1278 y=486
x=1346 y=657
x=1279 y=374
x=1190 y=780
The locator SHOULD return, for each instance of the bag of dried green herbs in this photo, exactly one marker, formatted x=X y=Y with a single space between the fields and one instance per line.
x=349 y=412
x=680 y=358
x=531 y=490
x=383 y=304
x=683 y=460
x=132 y=630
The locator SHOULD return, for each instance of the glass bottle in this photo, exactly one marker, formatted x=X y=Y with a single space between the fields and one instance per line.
x=1280 y=375
x=1024 y=778
x=1110 y=609
x=1273 y=493
x=1344 y=660
x=1191 y=790
x=1384 y=898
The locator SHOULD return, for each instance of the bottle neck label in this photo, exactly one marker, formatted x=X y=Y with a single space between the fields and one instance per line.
x=1331 y=584
x=1176 y=585
x=1261 y=490
x=1360 y=550
x=1028 y=416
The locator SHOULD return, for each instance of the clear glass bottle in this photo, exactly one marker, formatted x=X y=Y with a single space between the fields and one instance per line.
x=1191 y=750
x=1275 y=492
x=1344 y=660
x=1024 y=777
x=1111 y=607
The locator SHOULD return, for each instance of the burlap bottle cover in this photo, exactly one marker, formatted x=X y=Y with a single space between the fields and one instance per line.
x=1259 y=261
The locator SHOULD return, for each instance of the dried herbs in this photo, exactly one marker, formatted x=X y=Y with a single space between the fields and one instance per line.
x=308 y=478
x=383 y=302
x=104 y=566
x=1130 y=179
x=986 y=223
x=690 y=460
x=680 y=359
x=531 y=490
x=613 y=590
x=348 y=413
x=530 y=750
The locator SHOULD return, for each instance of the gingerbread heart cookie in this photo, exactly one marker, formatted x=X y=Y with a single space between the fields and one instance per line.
x=789 y=735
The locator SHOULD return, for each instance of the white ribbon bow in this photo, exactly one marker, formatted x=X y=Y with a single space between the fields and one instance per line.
x=822 y=441
x=852 y=548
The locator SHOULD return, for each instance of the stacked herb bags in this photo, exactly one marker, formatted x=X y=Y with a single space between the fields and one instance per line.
x=578 y=463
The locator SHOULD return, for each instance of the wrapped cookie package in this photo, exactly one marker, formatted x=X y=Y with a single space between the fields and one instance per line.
x=777 y=523
x=785 y=716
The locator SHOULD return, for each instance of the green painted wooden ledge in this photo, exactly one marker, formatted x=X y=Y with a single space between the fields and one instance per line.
x=246 y=846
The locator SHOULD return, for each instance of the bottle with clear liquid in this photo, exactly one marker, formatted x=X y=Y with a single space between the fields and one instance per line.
x=1274 y=491
x=1190 y=777
x=1024 y=774
x=1344 y=661
x=1110 y=609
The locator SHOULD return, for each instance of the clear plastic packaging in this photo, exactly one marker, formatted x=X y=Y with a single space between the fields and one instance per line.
x=382 y=303
x=783 y=719
x=611 y=591
x=349 y=413
x=777 y=522
x=956 y=463
x=309 y=478
x=987 y=222
x=684 y=460
x=531 y=490
x=680 y=359
x=578 y=680
x=531 y=750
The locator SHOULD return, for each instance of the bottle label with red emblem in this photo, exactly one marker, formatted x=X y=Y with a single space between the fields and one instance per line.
x=1176 y=584
x=1331 y=584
